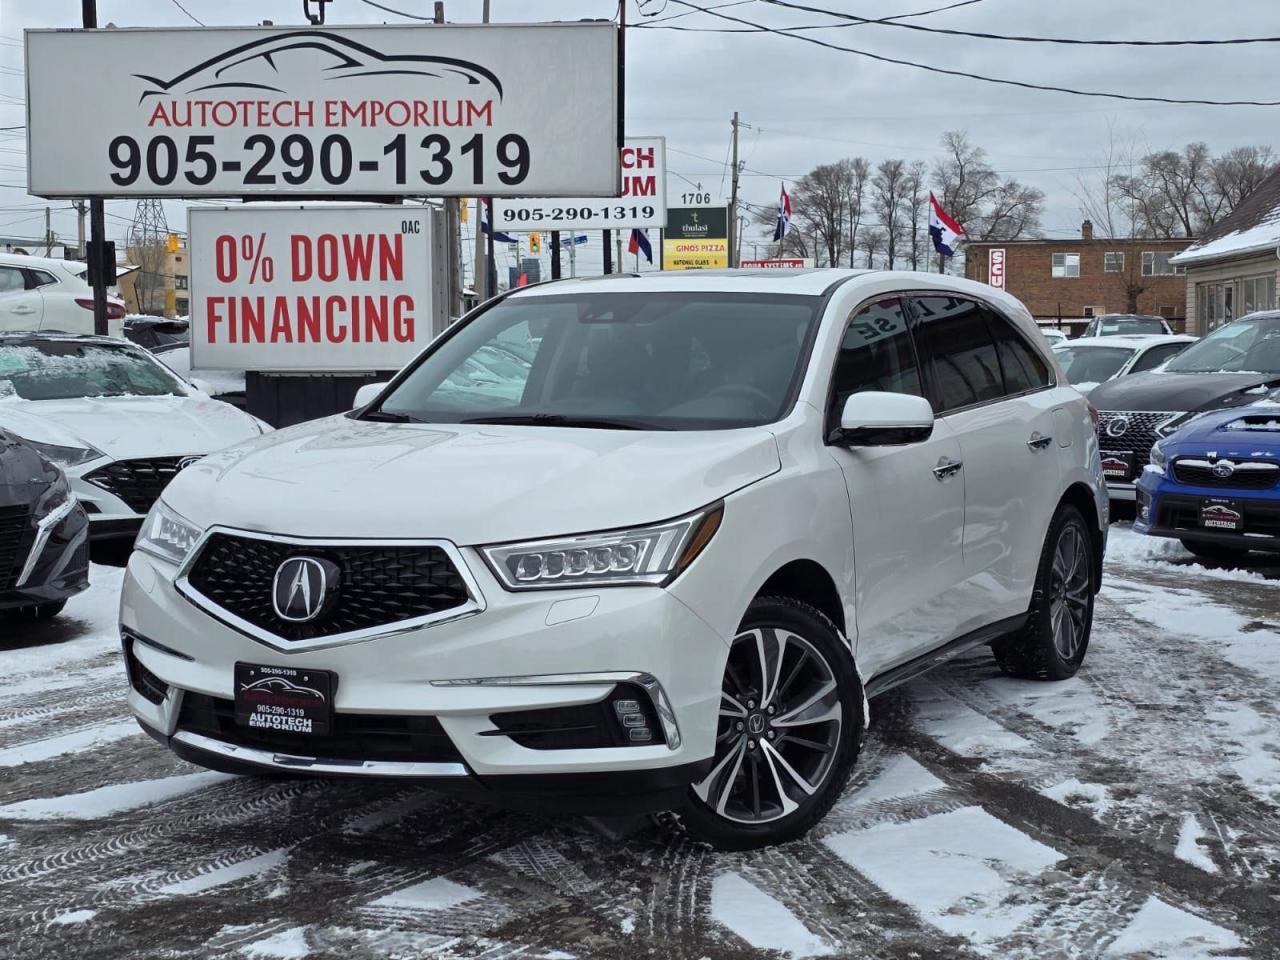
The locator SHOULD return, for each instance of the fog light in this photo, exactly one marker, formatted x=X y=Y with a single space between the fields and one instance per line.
x=631 y=716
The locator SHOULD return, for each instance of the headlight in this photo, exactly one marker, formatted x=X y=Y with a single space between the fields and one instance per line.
x=1159 y=459
x=643 y=555
x=67 y=456
x=166 y=535
x=58 y=495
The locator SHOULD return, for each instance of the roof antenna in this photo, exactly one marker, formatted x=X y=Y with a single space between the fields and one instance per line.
x=317 y=19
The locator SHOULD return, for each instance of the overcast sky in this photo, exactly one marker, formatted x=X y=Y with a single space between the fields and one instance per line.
x=806 y=105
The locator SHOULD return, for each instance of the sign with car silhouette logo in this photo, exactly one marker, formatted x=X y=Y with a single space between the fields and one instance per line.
x=370 y=110
x=1221 y=514
x=284 y=699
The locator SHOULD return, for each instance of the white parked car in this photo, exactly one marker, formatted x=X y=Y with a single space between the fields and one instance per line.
x=717 y=512
x=1089 y=361
x=41 y=294
x=119 y=422
x=1053 y=335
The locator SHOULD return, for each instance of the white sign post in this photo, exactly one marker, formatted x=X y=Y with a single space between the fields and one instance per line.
x=330 y=288
x=641 y=203
x=442 y=110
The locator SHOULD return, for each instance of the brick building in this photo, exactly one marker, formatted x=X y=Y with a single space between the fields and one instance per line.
x=1066 y=281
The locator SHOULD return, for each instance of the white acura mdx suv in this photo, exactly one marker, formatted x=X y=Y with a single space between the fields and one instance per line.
x=646 y=541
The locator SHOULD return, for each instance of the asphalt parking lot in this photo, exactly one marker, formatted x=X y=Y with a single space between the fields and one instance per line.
x=1133 y=811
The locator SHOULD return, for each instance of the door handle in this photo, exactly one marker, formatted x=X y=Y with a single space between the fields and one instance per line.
x=1039 y=442
x=947 y=468
x=23 y=309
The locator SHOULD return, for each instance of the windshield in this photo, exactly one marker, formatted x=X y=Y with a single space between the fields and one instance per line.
x=1250 y=345
x=673 y=361
x=65 y=369
x=1092 y=364
x=1111 y=326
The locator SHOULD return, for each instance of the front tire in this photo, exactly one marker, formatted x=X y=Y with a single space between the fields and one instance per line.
x=1053 y=643
x=791 y=724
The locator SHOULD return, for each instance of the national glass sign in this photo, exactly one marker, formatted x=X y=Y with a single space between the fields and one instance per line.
x=375 y=111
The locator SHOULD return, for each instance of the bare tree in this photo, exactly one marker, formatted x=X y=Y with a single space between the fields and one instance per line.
x=818 y=201
x=917 y=198
x=874 y=239
x=888 y=193
x=986 y=205
x=1098 y=192
x=857 y=173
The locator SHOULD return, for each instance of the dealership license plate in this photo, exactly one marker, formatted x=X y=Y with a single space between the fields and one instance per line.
x=1117 y=466
x=284 y=699
x=1220 y=514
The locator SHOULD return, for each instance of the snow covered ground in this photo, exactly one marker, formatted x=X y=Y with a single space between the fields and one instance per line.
x=1133 y=811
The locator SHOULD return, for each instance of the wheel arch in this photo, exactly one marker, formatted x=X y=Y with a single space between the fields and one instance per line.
x=1081 y=497
x=808 y=581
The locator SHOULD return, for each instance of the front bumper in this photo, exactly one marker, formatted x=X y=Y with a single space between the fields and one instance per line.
x=55 y=566
x=524 y=651
x=1168 y=509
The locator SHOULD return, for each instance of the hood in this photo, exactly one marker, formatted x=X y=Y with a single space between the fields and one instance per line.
x=1251 y=432
x=471 y=484
x=1179 y=391
x=125 y=428
x=24 y=474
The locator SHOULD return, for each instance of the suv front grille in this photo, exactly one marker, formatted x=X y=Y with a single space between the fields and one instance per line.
x=1138 y=436
x=138 y=483
x=15 y=543
x=354 y=736
x=376 y=585
x=1247 y=475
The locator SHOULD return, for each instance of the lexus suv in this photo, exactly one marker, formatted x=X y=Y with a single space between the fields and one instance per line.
x=1237 y=364
x=659 y=557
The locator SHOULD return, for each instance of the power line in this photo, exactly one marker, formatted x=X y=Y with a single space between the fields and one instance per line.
x=186 y=11
x=398 y=13
x=1004 y=81
x=812 y=26
x=889 y=22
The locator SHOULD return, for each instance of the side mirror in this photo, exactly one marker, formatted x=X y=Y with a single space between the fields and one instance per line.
x=368 y=393
x=875 y=419
x=202 y=385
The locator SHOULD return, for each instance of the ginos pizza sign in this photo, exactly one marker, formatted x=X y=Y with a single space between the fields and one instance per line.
x=321 y=288
x=995 y=265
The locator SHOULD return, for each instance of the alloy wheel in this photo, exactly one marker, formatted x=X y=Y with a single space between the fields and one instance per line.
x=1069 y=586
x=779 y=730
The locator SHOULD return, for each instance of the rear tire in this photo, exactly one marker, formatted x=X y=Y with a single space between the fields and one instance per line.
x=1213 y=551
x=791 y=724
x=1053 y=643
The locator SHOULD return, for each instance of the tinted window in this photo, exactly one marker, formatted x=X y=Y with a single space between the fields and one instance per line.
x=875 y=354
x=11 y=279
x=42 y=279
x=1251 y=344
x=1023 y=368
x=1138 y=325
x=1156 y=356
x=966 y=368
x=1092 y=364
x=661 y=360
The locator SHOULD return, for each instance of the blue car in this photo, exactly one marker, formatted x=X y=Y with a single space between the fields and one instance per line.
x=1215 y=483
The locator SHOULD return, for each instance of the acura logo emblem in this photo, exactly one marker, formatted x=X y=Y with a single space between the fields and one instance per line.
x=1224 y=469
x=301 y=587
x=185 y=462
x=1118 y=427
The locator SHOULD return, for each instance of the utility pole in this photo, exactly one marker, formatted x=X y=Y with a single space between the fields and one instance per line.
x=555 y=254
x=617 y=239
x=97 y=219
x=452 y=230
x=480 y=280
x=80 y=213
x=733 y=197
x=48 y=232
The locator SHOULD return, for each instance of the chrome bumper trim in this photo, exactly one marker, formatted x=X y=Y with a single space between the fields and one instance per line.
x=44 y=530
x=285 y=761
x=646 y=681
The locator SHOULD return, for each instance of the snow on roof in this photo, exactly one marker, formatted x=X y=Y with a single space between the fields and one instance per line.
x=1252 y=227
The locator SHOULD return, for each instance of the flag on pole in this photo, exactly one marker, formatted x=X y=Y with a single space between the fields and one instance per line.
x=639 y=243
x=499 y=236
x=784 y=215
x=946 y=233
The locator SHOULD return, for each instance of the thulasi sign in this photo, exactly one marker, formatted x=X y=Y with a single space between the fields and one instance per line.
x=317 y=289
x=375 y=111
x=641 y=203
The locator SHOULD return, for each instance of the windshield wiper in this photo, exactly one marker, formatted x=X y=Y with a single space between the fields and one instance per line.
x=565 y=420
x=386 y=416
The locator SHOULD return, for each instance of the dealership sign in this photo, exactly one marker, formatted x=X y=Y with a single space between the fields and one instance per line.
x=789 y=262
x=995 y=268
x=641 y=203
x=377 y=111
x=329 y=288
